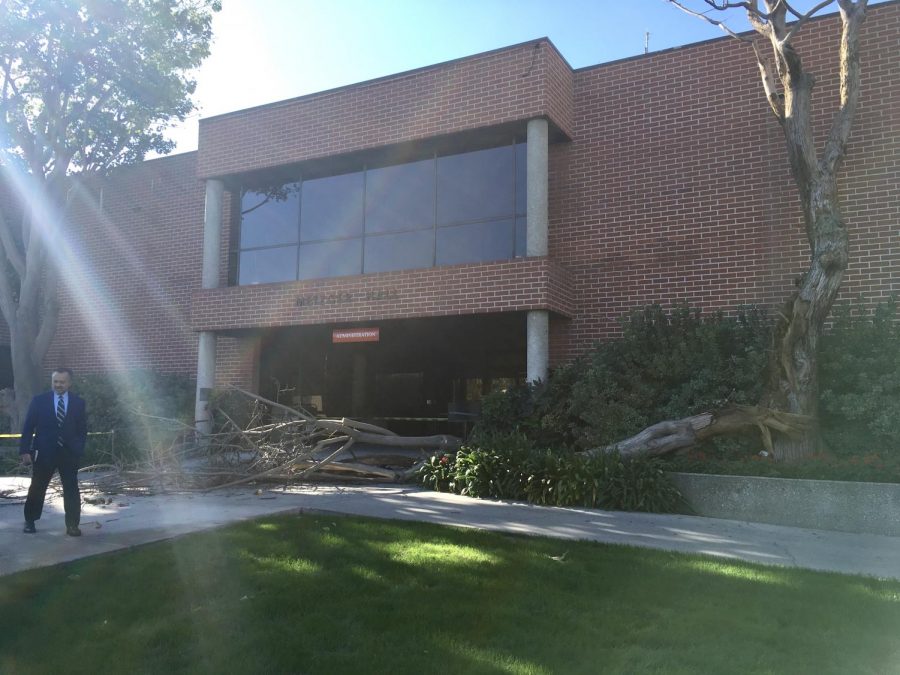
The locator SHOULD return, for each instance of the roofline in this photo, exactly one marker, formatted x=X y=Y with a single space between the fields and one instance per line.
x=691 y=45
x=519 y=45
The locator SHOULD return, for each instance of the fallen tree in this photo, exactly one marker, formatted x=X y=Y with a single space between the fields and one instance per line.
x=279 y=444
x=672 y=435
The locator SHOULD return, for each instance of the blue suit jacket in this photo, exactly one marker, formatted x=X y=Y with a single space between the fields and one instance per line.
x=41 y=427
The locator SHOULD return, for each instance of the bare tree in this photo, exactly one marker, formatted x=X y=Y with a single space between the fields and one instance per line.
x=787 y=412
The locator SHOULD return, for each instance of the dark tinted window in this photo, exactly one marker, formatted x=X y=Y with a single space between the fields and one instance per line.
x=405 y=251
x=330 y=259
x=268 y=265
x=331 y=208
x=521 y=178
x=475 y=185
x=468 y=207
x=521 y=239
x=475 y=243
x=269 y=217
x=400 y=197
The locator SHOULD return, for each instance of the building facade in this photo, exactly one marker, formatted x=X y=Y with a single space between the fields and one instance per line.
x=394 y=249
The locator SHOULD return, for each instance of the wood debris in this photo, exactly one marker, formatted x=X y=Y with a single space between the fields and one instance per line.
x=279 y=444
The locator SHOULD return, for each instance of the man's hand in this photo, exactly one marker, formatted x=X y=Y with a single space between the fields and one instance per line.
x=26 y=459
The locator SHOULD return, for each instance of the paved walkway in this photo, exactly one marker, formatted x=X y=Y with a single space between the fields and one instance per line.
x=129 y=521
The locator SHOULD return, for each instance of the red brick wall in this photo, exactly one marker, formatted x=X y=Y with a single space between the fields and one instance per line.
x=508 y=85
x=675 y=186
x=237 y=361
x=126 y=297
x=533 y=283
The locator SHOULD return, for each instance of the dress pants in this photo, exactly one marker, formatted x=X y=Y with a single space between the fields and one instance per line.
x=66 y=462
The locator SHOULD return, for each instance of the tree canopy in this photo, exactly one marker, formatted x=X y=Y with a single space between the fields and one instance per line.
x=91 y=84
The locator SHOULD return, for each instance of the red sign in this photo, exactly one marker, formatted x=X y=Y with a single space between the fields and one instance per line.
x=355 y=335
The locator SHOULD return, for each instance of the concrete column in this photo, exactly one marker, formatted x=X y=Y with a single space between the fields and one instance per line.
x=538 y=363
x=206 y=351
x=538 y=152
x=212 y=233
x=538 y=212
x=206 y=380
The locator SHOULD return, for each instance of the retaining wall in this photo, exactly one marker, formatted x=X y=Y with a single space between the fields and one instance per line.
x=872 y=508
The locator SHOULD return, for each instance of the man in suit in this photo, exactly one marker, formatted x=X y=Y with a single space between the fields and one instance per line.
x=56 y=422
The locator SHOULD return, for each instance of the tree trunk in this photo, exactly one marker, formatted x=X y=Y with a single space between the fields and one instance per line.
x=673 y=435
x=793 y=369
x=30 y=305
x=26 y=373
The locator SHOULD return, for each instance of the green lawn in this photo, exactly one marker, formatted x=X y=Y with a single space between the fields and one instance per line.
x=319 y=594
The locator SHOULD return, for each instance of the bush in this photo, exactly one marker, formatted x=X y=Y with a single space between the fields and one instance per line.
x=665 y=366
x=509 y=466
x=123 y=402
x=859 y=375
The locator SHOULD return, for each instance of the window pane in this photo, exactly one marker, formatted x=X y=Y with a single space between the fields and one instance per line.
x=269 y=217
x=521 y=178
x=268 y=265
x=331 y=208
x=405 y=251
x=521 y=237
x=478 y=242
x=400 y=197
x=330 y=259
x=475 y=185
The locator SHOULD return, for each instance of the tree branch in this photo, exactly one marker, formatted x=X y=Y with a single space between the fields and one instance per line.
x=7 y=298
x=10 y=248
x=801 y=20
x=718 y=24
x=49 y=313
x=852 y=17
x=768 y=82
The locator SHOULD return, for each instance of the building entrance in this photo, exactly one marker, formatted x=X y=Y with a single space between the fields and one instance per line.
x=413 y=376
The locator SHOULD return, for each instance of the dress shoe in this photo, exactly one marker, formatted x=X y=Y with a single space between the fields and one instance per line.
x=29 y=527
x=73 y=531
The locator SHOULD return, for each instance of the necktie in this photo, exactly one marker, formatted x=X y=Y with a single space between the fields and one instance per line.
x=60 y=418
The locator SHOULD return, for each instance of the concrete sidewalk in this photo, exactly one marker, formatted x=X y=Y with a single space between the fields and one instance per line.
x=129 y=521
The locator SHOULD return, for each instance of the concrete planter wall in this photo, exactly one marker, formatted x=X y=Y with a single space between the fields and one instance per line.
x=872 y=508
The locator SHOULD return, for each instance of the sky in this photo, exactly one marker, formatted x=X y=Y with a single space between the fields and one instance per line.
x=271 y=50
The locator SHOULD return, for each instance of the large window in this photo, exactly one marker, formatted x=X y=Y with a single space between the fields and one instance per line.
x=443 y=210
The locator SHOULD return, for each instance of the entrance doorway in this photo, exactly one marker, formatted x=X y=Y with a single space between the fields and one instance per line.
x=421 y=376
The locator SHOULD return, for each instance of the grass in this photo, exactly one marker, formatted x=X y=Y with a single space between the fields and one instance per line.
x=314 y=594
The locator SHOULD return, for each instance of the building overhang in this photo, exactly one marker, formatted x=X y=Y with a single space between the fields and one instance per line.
x=502 y=89
x=507 y=286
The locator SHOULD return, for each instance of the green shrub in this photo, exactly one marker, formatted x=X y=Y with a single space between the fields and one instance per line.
x=541 y=411
x=127 y=403
x=669 y=365
x=509 y=466
x=666 y=365
x=859 y=376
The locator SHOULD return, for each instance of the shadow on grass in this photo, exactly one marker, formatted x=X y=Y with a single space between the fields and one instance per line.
x=320 y=594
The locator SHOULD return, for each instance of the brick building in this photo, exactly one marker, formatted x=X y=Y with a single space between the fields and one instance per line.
x=395 y=248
